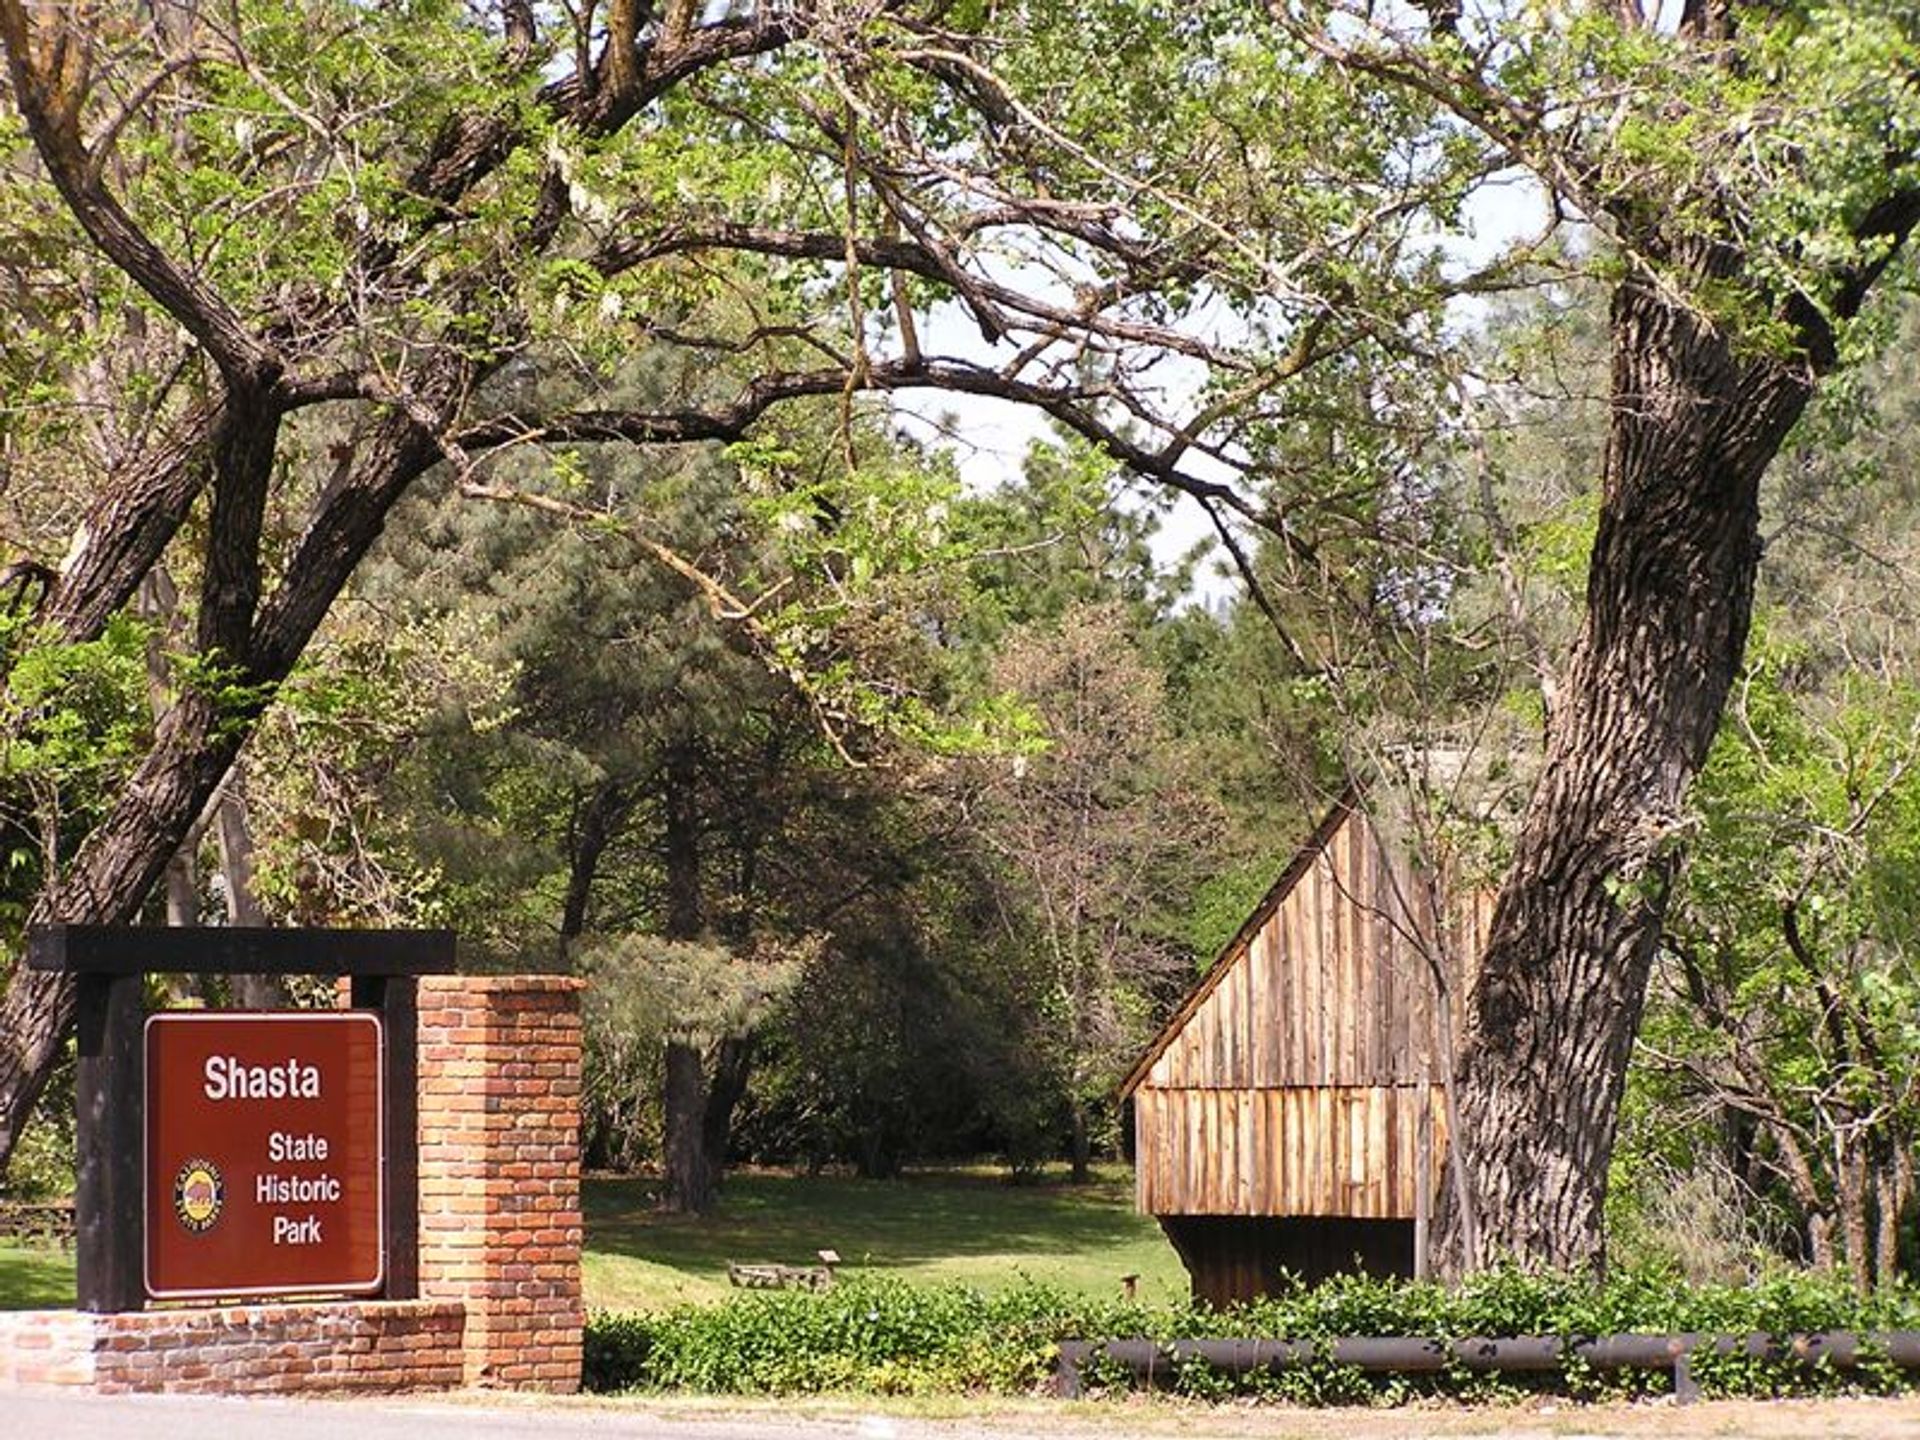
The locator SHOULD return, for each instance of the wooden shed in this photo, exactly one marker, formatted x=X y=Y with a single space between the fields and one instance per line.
x=1291 y=1115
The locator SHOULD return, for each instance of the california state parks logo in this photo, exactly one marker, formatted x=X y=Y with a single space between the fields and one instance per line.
x=198 y=1194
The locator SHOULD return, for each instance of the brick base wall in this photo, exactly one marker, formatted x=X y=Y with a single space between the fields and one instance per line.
x=363 y=1345
x=46 y=1347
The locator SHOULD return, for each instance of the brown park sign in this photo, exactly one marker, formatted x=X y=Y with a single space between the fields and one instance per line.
x=263 y=1168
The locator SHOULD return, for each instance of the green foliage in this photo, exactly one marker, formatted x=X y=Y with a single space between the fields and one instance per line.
x=350 y=731
x=78 y=712
x=893 y=1338
x=1067 y=533
x=77 y=720
x=1786 y=1002
x=1779 y=139
x=42 y=1167
x=1222 y=901
x=881 y=1337
x=641 y=990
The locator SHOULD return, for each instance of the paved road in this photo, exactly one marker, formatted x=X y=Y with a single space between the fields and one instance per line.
x=68 y=1415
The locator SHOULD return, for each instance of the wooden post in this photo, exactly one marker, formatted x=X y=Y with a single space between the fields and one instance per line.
x=1422 y=1181
x=110 y=1091
x=396 y=998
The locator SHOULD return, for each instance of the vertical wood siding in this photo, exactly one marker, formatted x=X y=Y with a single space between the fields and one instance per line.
x=1336 y=986
x=1295 y=1082
x=1309 y=1150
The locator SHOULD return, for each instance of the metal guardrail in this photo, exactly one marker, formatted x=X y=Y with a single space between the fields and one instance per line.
x=1151 y=1360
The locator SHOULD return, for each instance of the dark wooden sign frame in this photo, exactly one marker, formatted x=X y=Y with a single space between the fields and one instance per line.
x=110 y=965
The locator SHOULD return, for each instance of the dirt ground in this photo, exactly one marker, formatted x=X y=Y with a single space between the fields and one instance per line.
x=1762 y=1420
x=1156 y=1419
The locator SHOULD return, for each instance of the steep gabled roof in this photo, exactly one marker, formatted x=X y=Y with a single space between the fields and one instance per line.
x=1235 y=950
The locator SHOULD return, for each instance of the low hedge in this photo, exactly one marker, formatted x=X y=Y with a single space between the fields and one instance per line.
x=882 y=1337
x=888 y=1337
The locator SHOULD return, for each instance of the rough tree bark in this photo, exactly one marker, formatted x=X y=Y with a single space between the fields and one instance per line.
x=228 y=443
x=1557 y=1001
x=229 y=440
x=1698 y=411
x=195 y=744
x=115 y=869
x=690 y=1184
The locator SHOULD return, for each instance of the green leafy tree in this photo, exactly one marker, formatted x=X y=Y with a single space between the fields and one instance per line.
x=346 y=231
x=1791 y=981
x=346 y=237
x=1750 y=169
x=647 y=804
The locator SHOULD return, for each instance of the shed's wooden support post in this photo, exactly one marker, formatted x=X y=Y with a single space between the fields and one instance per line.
x=1422 y=1183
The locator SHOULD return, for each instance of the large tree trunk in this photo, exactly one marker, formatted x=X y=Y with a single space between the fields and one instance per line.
x=194 y=746
x=233 y=831
x=597 y=822
x=110 y=878
x=690 y=1174
x=1080 y=1149
x=691 y=1181
x=1557 y=1000
x=704 y=1083
x=732 y=1066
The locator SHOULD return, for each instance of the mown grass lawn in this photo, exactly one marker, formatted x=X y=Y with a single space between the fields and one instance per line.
x=962 y=1225
x=970 y=1226
x=35 y=1279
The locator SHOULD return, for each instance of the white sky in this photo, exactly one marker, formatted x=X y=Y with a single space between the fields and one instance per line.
x=990 y=438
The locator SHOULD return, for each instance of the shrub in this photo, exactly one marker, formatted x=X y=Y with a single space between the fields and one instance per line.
x=614 y=1352
x=888 y=1337
x=881 y=1337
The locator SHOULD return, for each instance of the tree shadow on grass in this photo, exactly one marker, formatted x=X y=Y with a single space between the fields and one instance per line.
x=873 y=1224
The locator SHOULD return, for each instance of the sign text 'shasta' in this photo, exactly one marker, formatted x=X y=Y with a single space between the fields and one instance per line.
x=229 y=1079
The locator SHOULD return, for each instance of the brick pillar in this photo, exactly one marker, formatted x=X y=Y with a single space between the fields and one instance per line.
x=500 y=1171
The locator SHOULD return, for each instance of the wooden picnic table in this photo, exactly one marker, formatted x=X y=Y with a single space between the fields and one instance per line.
x=784 y=1277
x=37 y=1222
